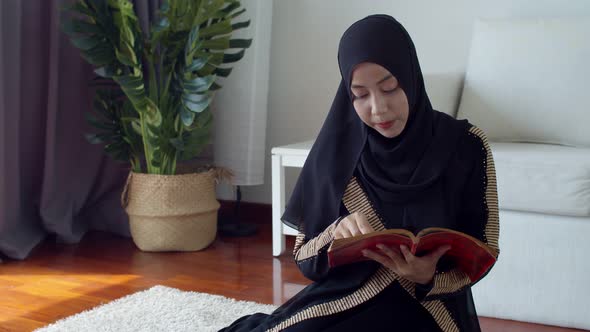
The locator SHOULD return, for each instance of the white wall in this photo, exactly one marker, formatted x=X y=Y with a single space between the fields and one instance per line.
x=304 y=71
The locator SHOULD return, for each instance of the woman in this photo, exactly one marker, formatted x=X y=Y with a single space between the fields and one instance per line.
x=385 y=159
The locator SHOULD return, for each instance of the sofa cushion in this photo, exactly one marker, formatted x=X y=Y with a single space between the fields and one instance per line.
x=527 y=81
x=543 y=178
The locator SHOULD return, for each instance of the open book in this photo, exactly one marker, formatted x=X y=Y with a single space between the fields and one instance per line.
x=467 y=253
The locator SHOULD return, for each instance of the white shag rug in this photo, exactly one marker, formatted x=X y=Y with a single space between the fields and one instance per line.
x=160 y=309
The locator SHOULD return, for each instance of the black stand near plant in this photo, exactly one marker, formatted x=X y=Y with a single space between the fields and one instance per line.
x=231 y=226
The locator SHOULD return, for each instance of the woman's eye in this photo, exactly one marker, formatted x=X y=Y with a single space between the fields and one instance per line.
x=390 y=90
x=359 y=97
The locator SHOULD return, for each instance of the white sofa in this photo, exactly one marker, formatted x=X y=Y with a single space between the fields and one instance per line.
x=527 y=86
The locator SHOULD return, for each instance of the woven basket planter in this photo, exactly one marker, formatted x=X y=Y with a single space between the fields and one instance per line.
x=172 y=212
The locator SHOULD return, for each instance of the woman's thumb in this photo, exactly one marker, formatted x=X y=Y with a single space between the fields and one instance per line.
x=440 y=251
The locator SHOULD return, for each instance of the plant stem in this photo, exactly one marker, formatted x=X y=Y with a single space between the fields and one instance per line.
x=176 y=153
x=136 y=163
x=173 y=166
x=146 y=147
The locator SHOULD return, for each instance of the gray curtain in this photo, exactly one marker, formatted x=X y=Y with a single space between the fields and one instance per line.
x=52 y=181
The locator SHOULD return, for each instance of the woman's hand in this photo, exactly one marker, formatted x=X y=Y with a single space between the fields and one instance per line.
x=352 y=225
x=417 y=269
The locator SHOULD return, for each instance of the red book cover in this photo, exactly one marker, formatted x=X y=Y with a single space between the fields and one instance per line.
x=467 y=253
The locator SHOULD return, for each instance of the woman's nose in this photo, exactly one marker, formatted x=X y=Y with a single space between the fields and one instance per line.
x=379 y=106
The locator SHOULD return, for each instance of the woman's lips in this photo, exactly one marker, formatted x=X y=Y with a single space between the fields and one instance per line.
x=385 y=125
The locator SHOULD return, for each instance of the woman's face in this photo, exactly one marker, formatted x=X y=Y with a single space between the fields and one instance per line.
x=378 y=99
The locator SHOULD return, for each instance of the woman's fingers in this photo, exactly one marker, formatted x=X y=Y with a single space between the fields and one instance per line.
x=406 y=264
x=353 y=225
x=384 y=260
x=363 y=224
x=408 y=256
x=349 y=227
x=342 y=232
x=393 y=254
x=352 y=228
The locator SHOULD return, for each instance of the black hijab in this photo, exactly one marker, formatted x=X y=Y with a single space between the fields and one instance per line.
x=396 y=172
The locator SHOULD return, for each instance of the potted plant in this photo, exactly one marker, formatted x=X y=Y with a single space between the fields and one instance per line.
x=153 y=94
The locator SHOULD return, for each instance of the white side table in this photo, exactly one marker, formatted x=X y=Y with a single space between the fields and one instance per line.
x=293 y=155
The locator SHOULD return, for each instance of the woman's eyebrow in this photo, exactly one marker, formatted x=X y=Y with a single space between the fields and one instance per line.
x=380 y=81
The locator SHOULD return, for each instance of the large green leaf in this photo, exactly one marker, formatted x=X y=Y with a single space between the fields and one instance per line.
x=75 y=26
x=99 y=55
x=125 y=59
x=134 y=88
x=198 y=63
x=240 y=25
x=202 y=120
x=207 y=9
x=238 y=13
x=133 y=123
x=240 y=43
x=178 y=143
x=103 y=125
x=120 y=142
x=156 y=157
x=186 y=115
x=194 y=142
x=233 y=5
x=100 y=107
x=87 y=42
x=196 y=97
x=220 y=28
x=106 y=71
x=207 y=70
x=215 y=86
x=161 y=25
x=223 y=72
x=79 y=7
x=198 y=84
x=93 y=139
x=233 y=57
x=192 y=44
x=221 y=43
x=198 y=106
x=205 y=118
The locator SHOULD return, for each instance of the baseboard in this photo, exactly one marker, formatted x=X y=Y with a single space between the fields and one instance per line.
x=256 y=213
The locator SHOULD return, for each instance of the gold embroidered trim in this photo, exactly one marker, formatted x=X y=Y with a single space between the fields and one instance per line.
x=449 y=282
x=441 y=315
x=492 y=231
x=452 y=281
x=377 y=283
x=312 y=247
x=356 y=200
x=299 y=241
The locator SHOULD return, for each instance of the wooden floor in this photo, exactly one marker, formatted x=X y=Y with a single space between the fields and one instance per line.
x=61 y=280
